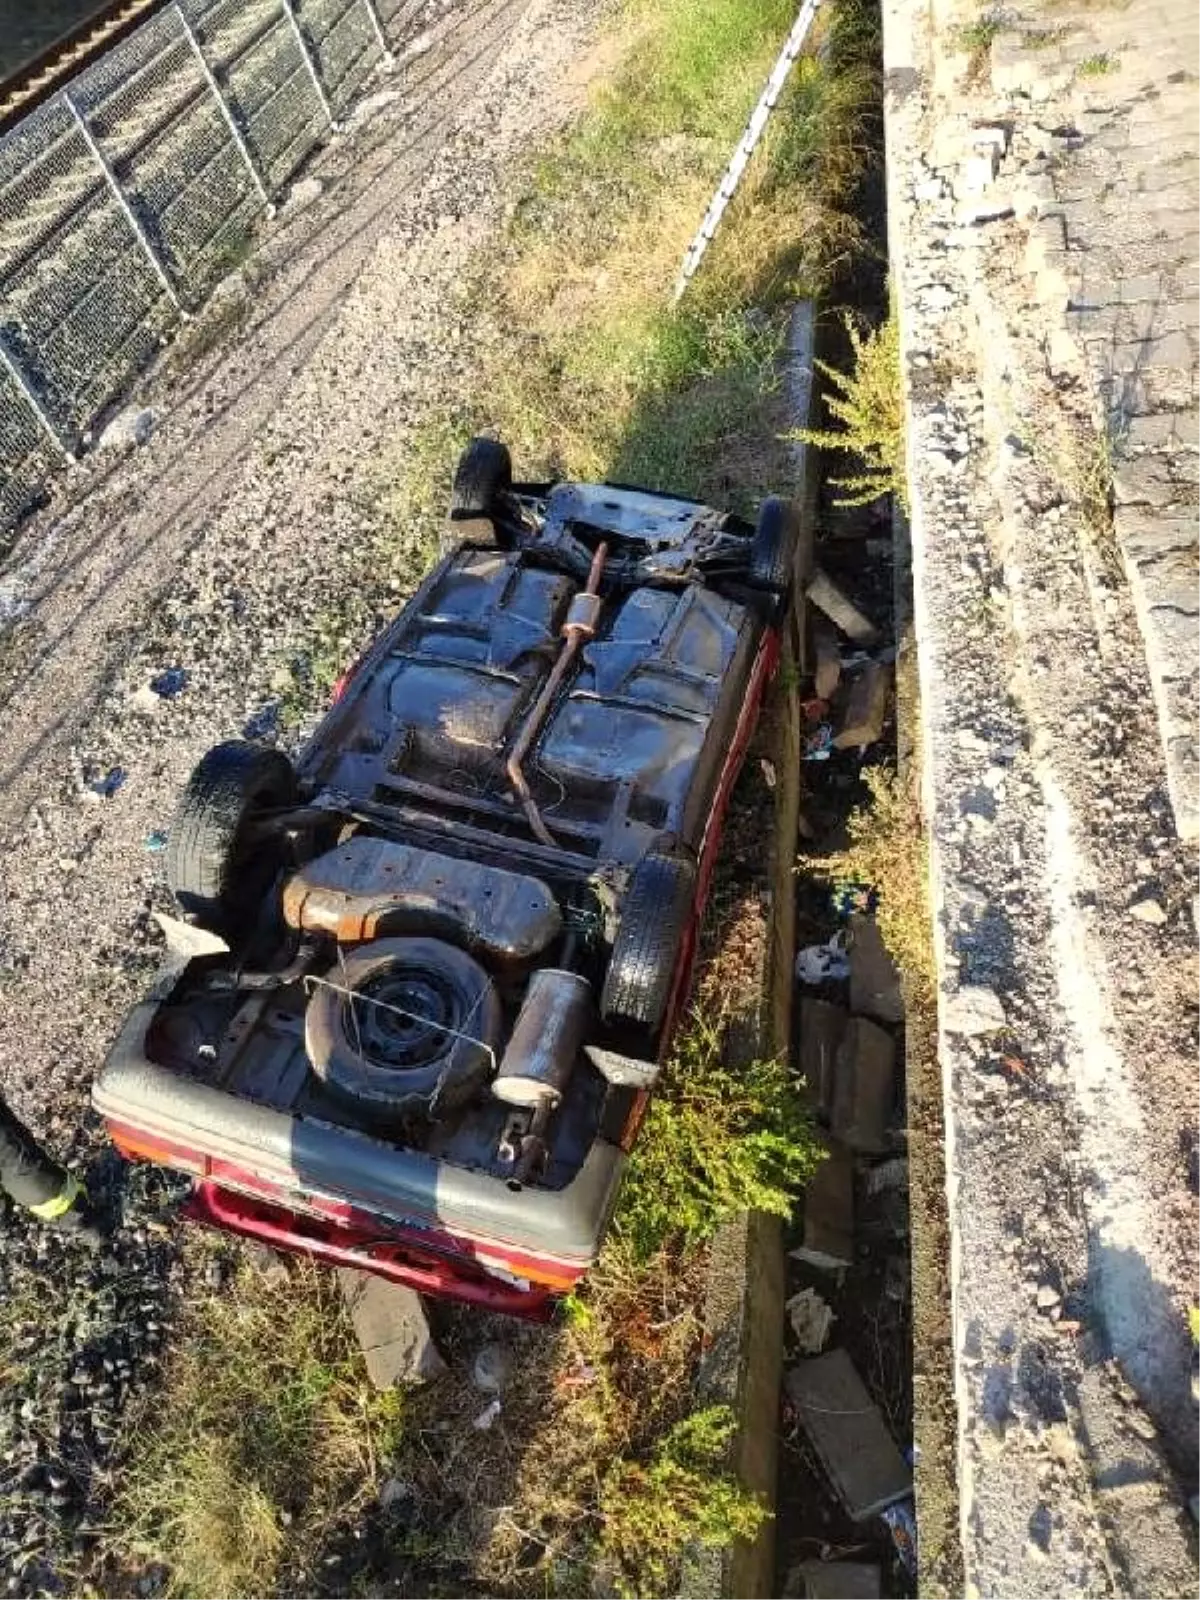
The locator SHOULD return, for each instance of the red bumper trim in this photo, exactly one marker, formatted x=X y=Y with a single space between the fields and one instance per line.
x=355 y=1247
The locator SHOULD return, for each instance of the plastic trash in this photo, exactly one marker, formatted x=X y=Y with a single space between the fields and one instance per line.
x=487 y=1416
x=811 y=1320
x=901 y=1523
x=818 y=744
x=108 y=785
x=170 y=683
x=849 y=896
x=823 y=963
x=156 y=840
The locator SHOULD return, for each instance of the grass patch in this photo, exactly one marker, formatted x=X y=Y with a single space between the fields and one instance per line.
x=975 y=38
x=1097 y=66
x=268 y=1443
x=869 y=403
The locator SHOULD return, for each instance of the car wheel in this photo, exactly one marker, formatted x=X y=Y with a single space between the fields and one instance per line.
x=216 y=870
x=413 y=1028
x=773 y=556
x=658 y=907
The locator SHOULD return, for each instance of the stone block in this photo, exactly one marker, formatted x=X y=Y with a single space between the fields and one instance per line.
x=841 y=610
x=848 y=1433
x=822 y=1028
x=392 y=1330
x=833 y=1580
x=874 y=981
x=866 y=710
x=828 y=1238
x=864 y=1087
x=828 y=659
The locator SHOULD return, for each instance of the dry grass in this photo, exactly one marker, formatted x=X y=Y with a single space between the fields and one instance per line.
x=265 y=1441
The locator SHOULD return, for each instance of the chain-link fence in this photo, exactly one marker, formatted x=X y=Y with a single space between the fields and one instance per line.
x=129 y=194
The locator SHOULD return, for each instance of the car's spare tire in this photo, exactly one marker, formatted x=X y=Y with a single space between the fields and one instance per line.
x=657 y=909
x=772 y=556
x=404 y=1027
x=219 y=866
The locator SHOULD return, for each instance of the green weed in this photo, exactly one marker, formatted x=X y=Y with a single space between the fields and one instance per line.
x=1097 y=66
x=869 y=403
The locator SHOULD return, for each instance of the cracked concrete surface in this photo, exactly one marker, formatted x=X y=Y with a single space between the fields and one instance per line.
x=1063 y=889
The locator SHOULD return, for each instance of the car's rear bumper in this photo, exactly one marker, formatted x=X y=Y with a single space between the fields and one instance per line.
x=347 y=1179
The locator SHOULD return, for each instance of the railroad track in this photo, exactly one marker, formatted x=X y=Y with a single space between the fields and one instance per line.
x=40 y=78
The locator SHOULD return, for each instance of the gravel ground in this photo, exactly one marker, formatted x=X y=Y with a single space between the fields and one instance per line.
x=213 y=549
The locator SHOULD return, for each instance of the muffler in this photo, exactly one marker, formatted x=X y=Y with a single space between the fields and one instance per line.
x=540 y=1057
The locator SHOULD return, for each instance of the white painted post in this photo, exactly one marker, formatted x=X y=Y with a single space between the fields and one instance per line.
x=289 y=12
x=746 y=144
x=12 y=367
x=119 y=196
x=235 y=132
x=373 y=15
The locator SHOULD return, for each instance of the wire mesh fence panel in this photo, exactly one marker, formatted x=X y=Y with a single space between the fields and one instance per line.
x=81 y=305
x=151 y=109
x=344 y=45
x=256 y=57
x=27 y=455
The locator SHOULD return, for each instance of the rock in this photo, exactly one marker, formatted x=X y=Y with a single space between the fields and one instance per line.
x=828 y=1239
x=303 y=194
x=864 y=1087
x=1047 y=1296
x=822 y=1026
x=848 y=1433
x=128 y=429
x=491 y=1368
x=874 y=980
x=1148 y=910
x=866 y=710
x=973 y=1010
x=392 y=1329
x=840 y=610
x=811 y=1319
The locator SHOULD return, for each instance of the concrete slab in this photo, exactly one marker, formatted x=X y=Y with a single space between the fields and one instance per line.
x=834 y=1580
x=822 y=1028
x=866 y=709
x=874 y=981
x=848 y=1433
x=864 y=1087
x=840 y=609
x=828 y=1240
x=392 y=1330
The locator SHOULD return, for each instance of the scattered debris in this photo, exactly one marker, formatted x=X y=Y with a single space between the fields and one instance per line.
x=828 y=1239
x=156 y=840
x=874 y=980
x=823 y=963
x=864 y=1086
x=972 y=1010
x=849 y=1434
x=901 y=1521
x=487 y=1416
x=827 y=658
x=850 y=897
x=834 y=1580
x=1148 y=910
x=170 y=683
x=866 y=710
x=108 y=785
x=491 y=1368
x=822 y=1027
x=818 y=743
x=767 y=768
x=840 y=610
x=392 y=1329
x=811 y=1320
x=129 y=429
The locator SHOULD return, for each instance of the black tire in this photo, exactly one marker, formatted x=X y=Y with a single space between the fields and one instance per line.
x=773 y=555
x=658 y=907
x=484 y=473
x=389 y=1065
x=217 y=875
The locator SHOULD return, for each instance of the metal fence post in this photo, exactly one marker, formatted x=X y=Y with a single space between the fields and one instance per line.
x=373 y=14
x=235 y=132
x=289 y=12
x=9 y=363
x=119 y=196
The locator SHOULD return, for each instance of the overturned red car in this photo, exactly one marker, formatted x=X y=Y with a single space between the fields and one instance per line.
x=425 y=975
